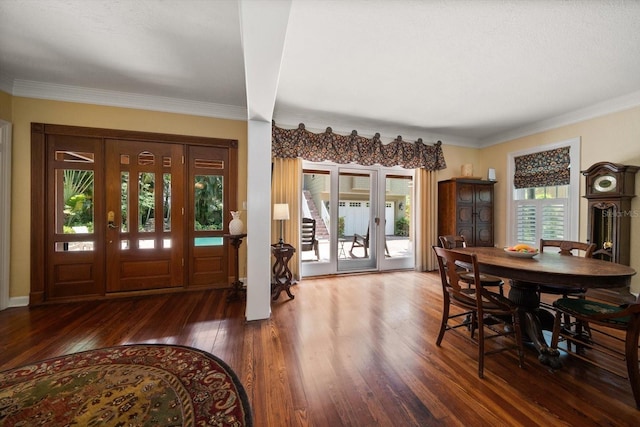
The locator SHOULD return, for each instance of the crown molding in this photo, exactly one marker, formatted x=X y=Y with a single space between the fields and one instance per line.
x=610 y=106
x=6 y=84
x=58 y=92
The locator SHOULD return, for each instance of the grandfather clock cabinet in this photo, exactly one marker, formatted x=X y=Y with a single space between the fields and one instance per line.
x=609 y=190
x=465 y=208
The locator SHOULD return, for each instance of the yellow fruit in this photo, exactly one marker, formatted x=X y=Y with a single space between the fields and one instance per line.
x=523 y=247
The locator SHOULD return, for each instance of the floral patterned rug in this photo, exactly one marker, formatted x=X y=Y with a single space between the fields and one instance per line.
x=133 y=385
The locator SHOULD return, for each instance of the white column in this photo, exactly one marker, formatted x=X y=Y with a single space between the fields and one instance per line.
x=264 y=26
x=259 y=220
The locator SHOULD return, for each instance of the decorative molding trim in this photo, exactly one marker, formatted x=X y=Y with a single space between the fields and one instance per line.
x=58 y=92
x=5 y=212
x=18 y=302
x=610 y=106
x=6 y=83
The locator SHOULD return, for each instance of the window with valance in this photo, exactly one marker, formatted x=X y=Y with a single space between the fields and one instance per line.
x=328 y=146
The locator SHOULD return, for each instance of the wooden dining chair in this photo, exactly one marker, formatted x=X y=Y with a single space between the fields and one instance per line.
x=568 y=248
x=477 y=308
x=601 y=315
x=451 y=242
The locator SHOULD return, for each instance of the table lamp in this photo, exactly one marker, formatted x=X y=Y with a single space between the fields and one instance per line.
x=281 y=213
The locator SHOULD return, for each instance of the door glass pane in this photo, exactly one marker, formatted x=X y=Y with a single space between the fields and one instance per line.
x=82 y=246
x=398 y=205
x=146 y=244
x=75 y=201
x=208 y=203
x=354 y=205
x=166 y=202
x=315 y=205
x=124 y=201
x=146 y=202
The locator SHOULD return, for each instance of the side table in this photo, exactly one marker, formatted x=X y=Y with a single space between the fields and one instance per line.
x=281 y=279
x=237 y=287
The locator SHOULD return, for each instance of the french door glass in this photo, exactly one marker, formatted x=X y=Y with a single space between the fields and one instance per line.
x=363 y=218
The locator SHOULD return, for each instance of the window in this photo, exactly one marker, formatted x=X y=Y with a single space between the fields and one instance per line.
x=540 y=212
x=547 y=210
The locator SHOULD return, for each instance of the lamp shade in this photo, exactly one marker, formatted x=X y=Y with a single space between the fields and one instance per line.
x=281 y=211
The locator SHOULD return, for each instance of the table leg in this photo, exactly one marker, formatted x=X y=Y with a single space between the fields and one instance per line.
x=282 y=276
x=527 y=297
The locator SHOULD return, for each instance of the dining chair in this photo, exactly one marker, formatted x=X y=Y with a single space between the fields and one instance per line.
x=480 y=309
x=568 y=248
x=610 y=317
x=451 y=242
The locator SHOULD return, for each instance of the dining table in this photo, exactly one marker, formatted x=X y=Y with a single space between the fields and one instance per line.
x=547 y=268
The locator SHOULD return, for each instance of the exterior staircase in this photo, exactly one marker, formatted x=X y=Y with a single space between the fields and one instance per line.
x=321 y=230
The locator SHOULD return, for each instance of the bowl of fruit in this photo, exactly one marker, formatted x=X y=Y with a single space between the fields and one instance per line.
x=521 y=250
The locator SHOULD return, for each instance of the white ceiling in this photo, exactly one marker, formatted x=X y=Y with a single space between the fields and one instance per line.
x=465 y=72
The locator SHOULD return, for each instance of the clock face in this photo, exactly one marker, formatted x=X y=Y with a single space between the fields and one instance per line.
x=605 y=183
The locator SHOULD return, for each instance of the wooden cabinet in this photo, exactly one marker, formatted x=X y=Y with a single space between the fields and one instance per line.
x=465 y=207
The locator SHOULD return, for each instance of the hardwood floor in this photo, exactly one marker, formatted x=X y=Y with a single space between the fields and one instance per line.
x=350 y=351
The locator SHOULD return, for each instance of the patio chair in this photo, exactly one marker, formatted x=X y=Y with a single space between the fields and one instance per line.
x=363 y=242
x=308 y=241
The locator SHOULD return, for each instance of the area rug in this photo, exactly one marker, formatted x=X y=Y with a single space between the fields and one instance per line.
x=132 y=385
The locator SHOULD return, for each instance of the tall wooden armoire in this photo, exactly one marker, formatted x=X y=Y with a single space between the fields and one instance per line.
x=465 y=207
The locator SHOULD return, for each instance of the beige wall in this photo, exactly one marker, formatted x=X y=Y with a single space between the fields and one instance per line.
x=24 y=111
x=614 y=138
x=5 y=106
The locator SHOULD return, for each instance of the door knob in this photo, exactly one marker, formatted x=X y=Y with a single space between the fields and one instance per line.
x=111 y=223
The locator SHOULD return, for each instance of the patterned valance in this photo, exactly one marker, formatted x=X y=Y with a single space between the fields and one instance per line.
x=543 y=169
x=292 y=143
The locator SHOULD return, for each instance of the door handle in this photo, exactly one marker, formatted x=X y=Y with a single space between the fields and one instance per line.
x=111 y=223
x=377 y=221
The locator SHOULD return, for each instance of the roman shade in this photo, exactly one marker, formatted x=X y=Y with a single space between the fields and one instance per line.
x=543 y=169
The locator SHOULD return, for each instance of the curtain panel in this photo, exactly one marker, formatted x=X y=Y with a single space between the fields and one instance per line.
x=318 y=147
x=543 y=169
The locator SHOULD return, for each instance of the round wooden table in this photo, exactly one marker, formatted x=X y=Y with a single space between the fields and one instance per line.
x=526 y=274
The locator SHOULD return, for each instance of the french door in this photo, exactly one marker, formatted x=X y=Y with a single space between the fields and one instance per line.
x=363 y=218
x=128 y=212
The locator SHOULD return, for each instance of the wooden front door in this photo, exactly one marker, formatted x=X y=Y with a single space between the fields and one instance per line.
x=144 y=211
x=120 y=212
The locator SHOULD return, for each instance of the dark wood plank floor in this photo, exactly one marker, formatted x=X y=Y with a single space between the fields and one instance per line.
x=349 y=351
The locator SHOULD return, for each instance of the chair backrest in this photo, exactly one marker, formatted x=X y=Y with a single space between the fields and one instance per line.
x=308 y=233
x=452 y=284
x=452 y=241
x=469 y=293
x=567 y=247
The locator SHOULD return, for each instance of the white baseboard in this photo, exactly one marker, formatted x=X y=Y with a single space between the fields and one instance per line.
x=18 y=302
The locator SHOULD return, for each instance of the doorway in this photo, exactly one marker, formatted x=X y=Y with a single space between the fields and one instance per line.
x=363 y=218
x=128 y=212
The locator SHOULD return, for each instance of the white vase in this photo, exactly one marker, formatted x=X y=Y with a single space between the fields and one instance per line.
x=235 y=225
